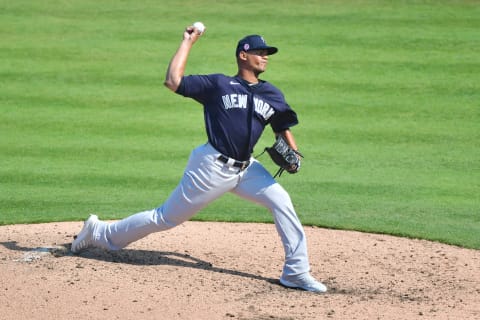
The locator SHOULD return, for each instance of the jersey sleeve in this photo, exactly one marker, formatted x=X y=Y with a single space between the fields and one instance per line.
x=197 y=87
x=284 y=117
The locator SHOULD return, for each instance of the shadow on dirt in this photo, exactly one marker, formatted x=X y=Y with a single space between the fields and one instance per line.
x=139 y=257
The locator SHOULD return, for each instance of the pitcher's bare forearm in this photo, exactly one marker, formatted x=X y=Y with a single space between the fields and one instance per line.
x=176 y=68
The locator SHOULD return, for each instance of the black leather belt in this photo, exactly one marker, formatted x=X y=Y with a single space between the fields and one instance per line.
x=242 y=165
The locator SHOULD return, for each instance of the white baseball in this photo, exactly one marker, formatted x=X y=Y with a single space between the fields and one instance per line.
x=200 y=26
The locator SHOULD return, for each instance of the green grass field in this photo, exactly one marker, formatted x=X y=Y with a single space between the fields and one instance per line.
x=387 y=93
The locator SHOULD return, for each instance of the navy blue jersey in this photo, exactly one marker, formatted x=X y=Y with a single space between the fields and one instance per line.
x=235 y=112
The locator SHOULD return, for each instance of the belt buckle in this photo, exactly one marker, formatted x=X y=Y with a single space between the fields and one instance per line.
x=244 y=165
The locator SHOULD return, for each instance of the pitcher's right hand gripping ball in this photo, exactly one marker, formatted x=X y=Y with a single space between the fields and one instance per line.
x=284 y=156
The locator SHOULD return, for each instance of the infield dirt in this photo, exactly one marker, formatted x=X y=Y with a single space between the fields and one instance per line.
x=203 y=270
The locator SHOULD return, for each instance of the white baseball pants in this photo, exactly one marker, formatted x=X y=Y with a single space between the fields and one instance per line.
x=204 y=180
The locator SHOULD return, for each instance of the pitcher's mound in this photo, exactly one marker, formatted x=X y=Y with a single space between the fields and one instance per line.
x=211 y=271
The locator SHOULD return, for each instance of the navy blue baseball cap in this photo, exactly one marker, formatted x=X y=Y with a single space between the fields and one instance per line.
x=254 y=42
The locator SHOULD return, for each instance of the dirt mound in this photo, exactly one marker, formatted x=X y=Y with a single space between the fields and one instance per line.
x=230 y=271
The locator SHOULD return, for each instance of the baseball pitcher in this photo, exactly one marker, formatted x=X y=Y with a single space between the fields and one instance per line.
x=236 y=111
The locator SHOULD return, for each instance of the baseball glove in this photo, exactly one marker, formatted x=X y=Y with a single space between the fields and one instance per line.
x=284 y=156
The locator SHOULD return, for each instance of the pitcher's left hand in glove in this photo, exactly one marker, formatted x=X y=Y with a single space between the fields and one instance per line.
x=284 y=156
